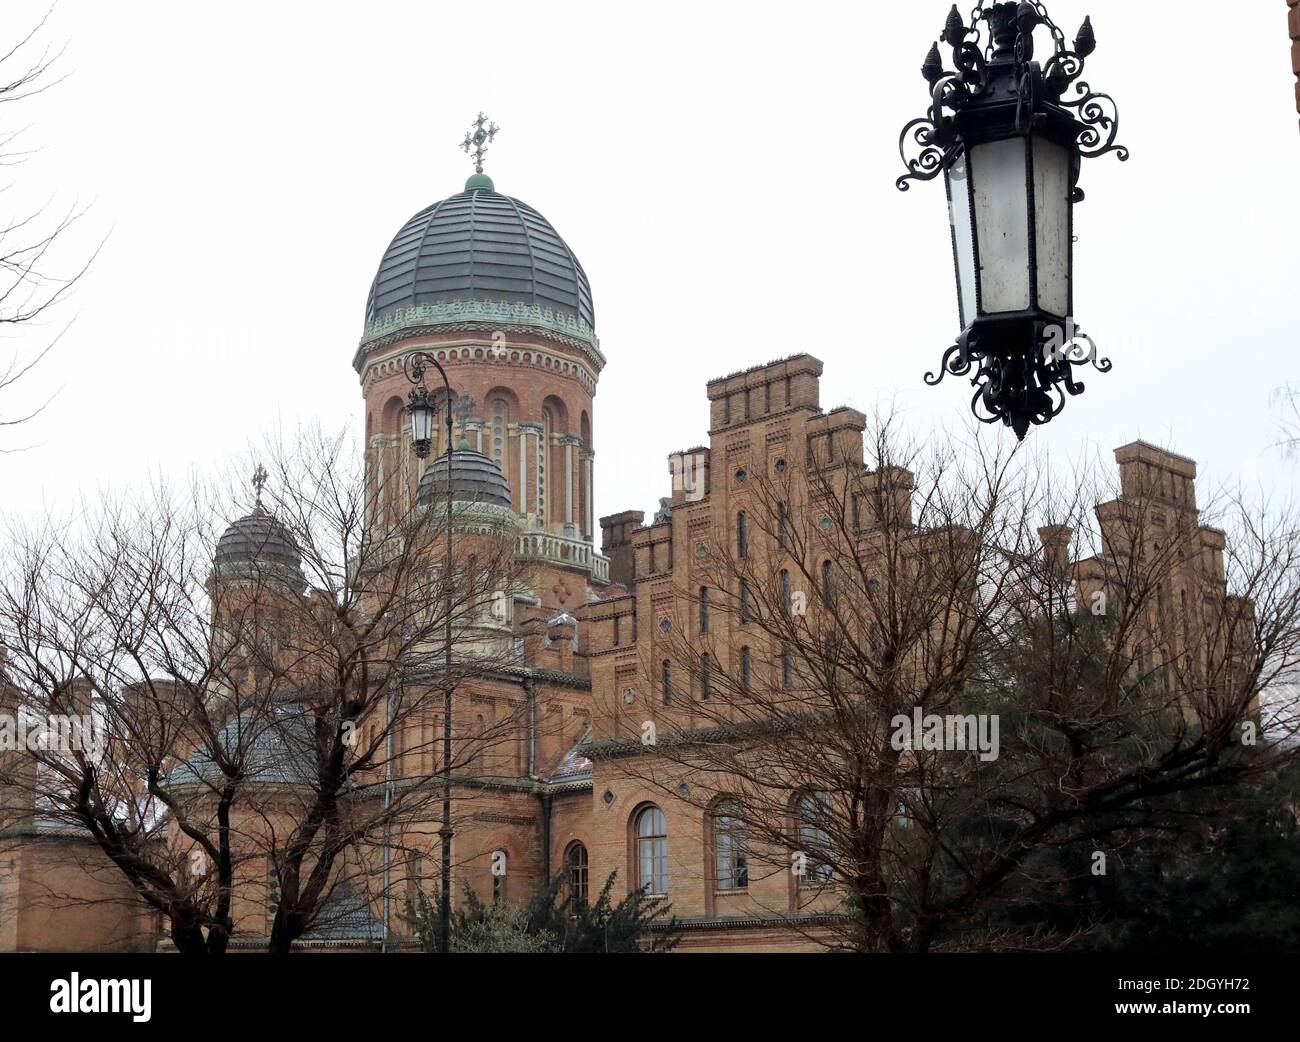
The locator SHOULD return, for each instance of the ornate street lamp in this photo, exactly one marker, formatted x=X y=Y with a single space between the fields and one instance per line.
x=1009 y=135
x=422 y=413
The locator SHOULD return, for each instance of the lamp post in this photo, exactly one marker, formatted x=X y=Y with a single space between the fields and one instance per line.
x=1009 y=135
x=422 y=413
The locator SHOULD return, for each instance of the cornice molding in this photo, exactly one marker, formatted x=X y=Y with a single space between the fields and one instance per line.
x=473 y=352
x=468 y=314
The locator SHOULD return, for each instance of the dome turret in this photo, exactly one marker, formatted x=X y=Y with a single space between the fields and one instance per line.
x=474 y=479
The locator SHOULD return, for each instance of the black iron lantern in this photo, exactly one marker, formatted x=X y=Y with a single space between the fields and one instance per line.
x=1009 y=135
x=422 y=414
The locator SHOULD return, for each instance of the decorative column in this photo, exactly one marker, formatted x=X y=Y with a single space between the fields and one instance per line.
x=589 y=503
x=377 y=480
x=522 y=448
x=405 y=455
x=570 y=442
x=529 y=431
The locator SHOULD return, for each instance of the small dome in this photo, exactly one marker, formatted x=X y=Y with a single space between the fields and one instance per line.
x=474 y=479
x=260 y=540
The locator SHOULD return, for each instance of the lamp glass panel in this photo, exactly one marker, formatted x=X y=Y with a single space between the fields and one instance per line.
x=1001 y=192
x=1052 y=225
x=963 y=238
x=422 y=423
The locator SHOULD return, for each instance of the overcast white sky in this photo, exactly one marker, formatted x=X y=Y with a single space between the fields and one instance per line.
x=725 y=172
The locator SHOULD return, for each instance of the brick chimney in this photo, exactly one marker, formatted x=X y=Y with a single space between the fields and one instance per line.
x=561 y=638
x=1056 y=540
x=616 y=544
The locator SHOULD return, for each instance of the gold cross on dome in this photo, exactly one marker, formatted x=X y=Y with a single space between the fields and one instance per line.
x=477 y=140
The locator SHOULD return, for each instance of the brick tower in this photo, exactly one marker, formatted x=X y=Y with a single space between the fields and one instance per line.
x=483 y=282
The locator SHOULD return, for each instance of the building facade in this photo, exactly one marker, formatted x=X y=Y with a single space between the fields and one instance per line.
x=484 y=284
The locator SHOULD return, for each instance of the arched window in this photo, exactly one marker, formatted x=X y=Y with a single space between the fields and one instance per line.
x=704 y=609
x=813 y=812
x=744 y=603
x=742 y=535
x=828 y=582
x=785 y=591
x=499 y=410
x=746 y=669
x=666 y=681
x=783 y=527
x=575 y=869
x=787 y=669
x=652 y=851
x=730 y=848
x=394 y=416
x=706 y=676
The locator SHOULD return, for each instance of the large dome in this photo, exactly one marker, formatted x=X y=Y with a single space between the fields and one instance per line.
x=480 y=245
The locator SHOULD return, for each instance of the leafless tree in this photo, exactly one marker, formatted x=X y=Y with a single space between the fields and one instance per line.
x=33 y=278
x=1286 y=402
x=1120 y=658
x=269 y=703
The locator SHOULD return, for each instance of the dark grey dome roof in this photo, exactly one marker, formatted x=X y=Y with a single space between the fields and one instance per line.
x=480 y=245
x=474 y=479
x=258 y=539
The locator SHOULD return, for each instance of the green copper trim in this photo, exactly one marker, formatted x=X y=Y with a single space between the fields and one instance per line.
x=479 y=182
x=490 y=314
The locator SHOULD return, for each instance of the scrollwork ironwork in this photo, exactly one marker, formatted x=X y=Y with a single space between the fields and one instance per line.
x=1050 y=83
x=1023 y=390
x=929 y=160
x=1100 y=116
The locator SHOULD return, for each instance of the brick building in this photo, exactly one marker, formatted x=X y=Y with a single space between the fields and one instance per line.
x=481 y=281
